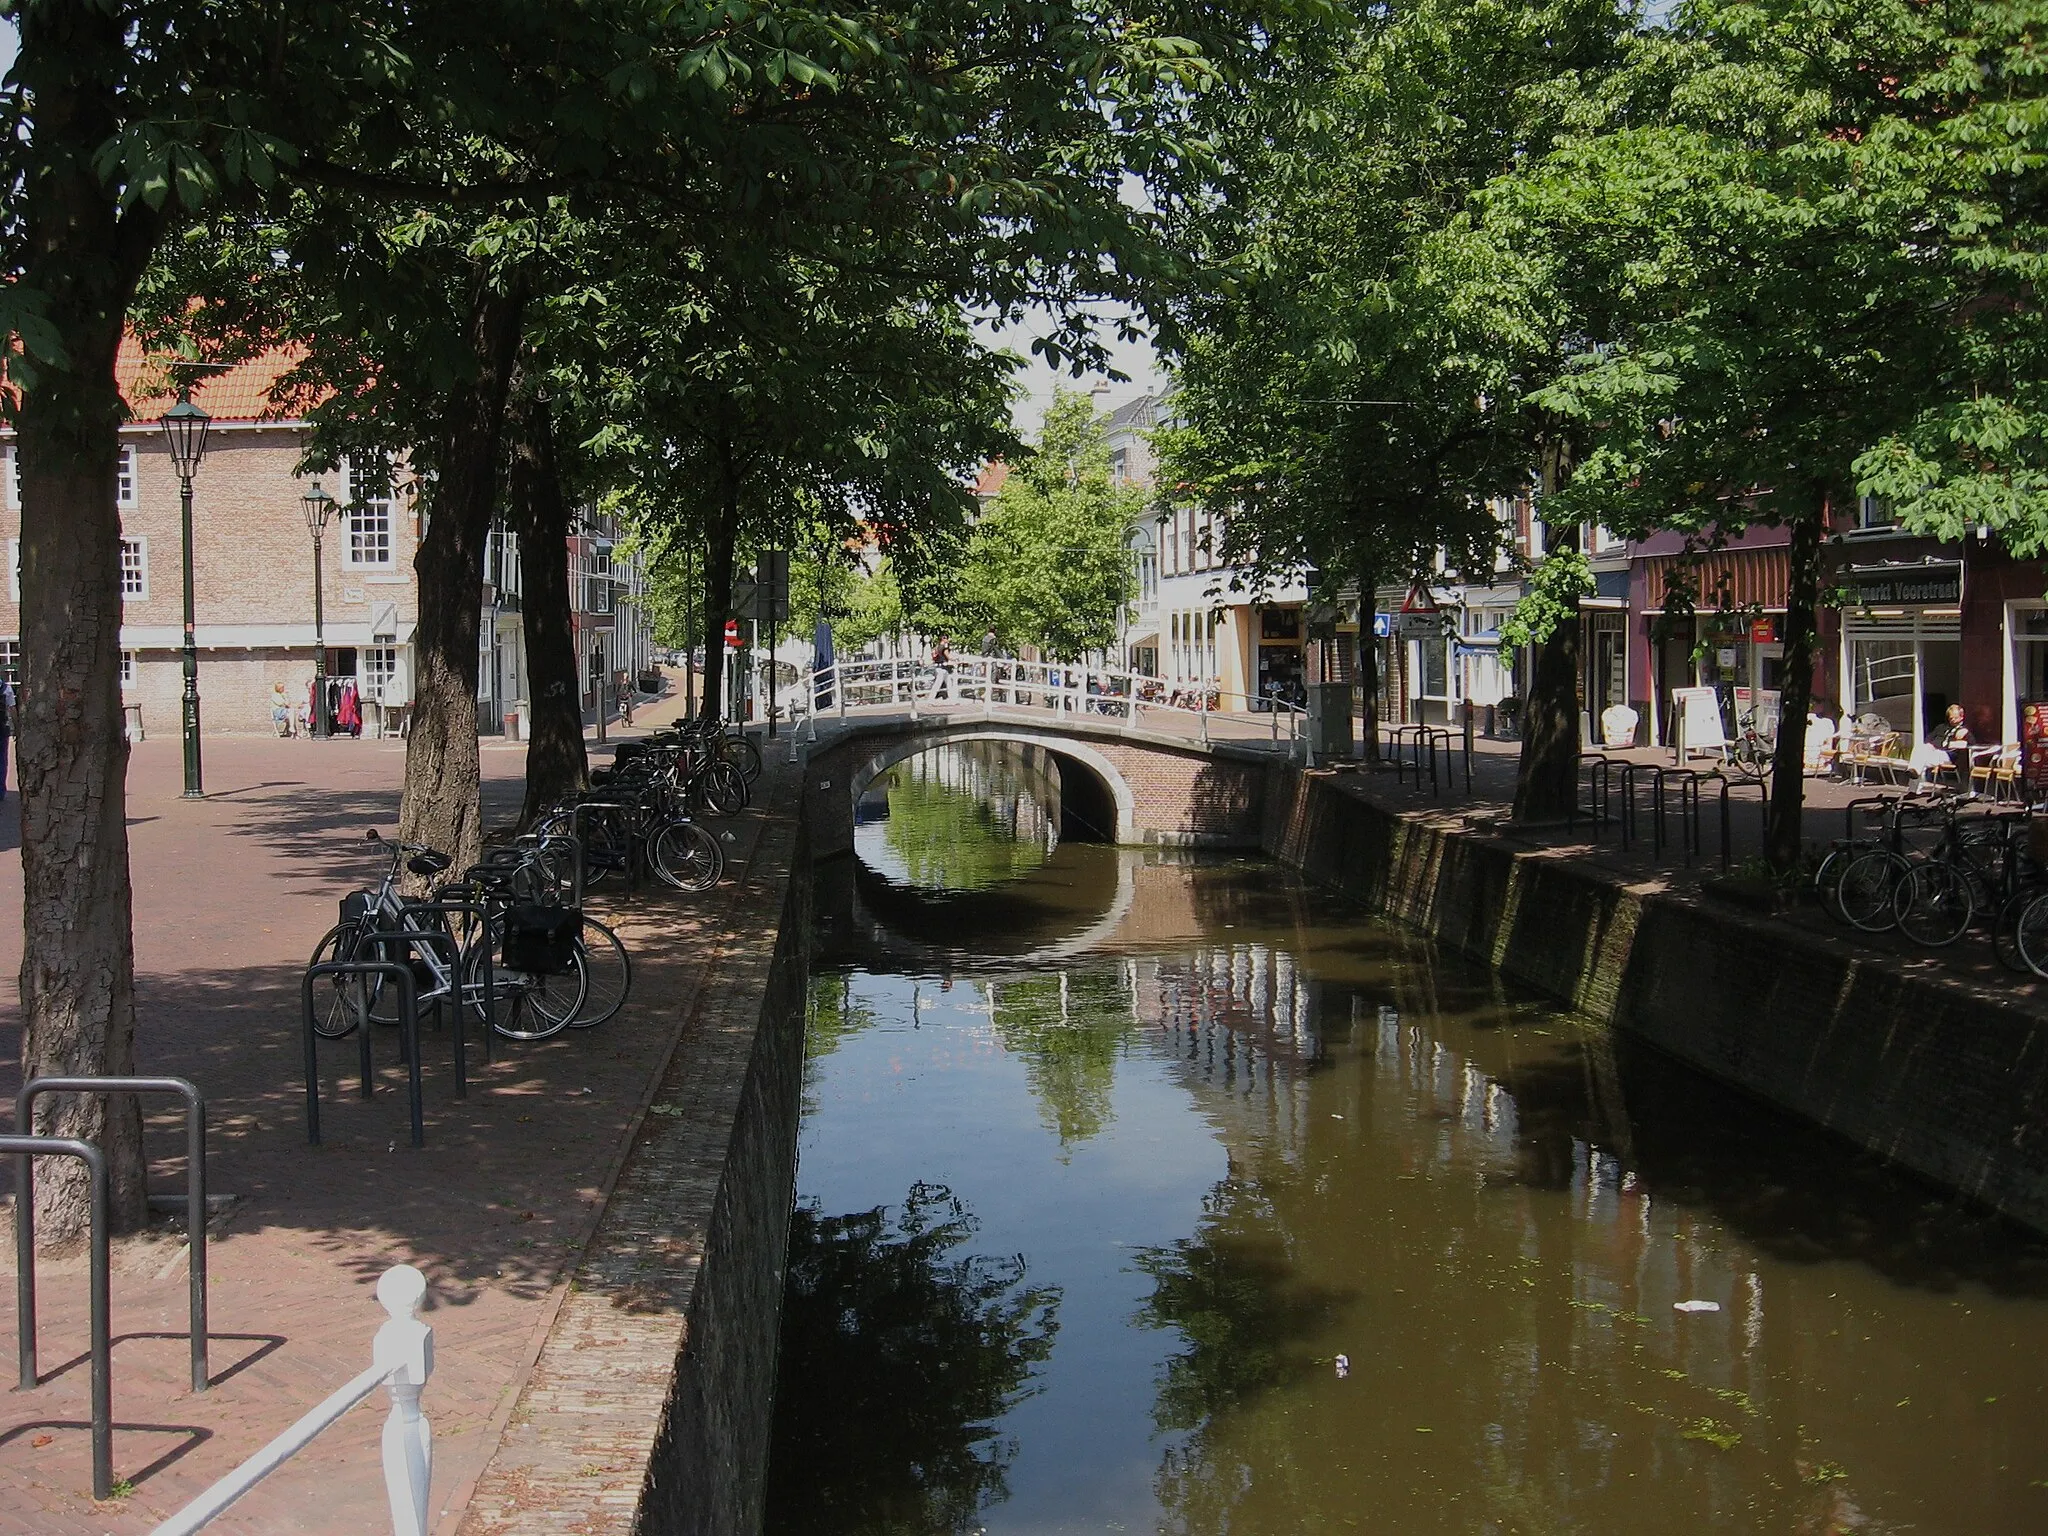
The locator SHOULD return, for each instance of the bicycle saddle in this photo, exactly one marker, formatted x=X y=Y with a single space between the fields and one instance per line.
x=432 y=862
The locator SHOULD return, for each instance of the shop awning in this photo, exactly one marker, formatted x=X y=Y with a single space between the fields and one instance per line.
x=1751 y=576
x=1484 y=640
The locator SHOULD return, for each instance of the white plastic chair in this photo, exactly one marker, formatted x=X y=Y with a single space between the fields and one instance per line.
x=1618 y=726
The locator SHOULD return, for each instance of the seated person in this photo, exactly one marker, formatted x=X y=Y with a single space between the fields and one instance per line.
x=1955 y=740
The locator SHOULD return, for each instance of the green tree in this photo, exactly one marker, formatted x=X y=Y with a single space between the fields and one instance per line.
x=1047 y=565
x=1732 y=223
x=1331 y=403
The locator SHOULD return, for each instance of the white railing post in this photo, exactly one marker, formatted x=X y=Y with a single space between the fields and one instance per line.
x=405 y=1349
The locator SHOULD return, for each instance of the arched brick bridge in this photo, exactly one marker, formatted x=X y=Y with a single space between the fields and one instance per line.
x=1121 y=784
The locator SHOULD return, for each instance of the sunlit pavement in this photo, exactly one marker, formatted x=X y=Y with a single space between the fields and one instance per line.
x=231 y=894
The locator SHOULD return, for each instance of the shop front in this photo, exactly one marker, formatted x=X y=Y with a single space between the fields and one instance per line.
x=1902 y=642
x=1727 y=633
x=1282 y=670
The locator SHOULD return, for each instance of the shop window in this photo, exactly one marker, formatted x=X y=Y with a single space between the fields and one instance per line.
x=1279 y=623
x=375 y=668
x=1436 y=672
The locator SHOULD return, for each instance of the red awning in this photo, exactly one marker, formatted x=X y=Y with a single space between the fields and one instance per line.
x=1759 y=576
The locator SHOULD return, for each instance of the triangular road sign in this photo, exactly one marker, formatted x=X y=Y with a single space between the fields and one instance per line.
x=1418 y=600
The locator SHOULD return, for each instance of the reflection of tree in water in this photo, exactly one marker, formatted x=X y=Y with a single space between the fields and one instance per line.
x=1231 y=1293
x=954 y=838
x=1069 y=1029
x=836 y=1012
x=898 y=1356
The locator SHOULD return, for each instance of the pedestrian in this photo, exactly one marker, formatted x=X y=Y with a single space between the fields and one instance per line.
x=990 y=645
x=6 y=729
x=624 y=690
x=942 y=669
x=280 y=710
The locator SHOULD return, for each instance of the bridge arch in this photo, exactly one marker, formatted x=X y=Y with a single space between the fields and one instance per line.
x=1103 y=789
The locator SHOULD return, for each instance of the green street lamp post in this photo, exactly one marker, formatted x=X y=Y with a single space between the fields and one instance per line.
x=184 y=427
x=319 y=506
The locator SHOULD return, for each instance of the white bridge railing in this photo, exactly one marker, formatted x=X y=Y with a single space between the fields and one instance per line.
x=1058 y=688
x=402 y=1359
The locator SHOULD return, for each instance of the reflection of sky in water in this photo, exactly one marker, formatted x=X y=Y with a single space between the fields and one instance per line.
x=1276 y=1132
x=1076 y=1213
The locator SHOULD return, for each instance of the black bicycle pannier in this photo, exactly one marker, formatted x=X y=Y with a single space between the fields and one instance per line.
x=542 y=940
x=355 y=906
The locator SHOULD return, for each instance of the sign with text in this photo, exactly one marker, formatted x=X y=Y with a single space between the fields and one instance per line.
x=1938 y=583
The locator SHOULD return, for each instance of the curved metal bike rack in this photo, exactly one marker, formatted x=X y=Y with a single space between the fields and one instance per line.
x=409 y=1024
x=27 y=1148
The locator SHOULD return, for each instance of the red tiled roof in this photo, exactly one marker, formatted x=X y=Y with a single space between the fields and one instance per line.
x=242 y=393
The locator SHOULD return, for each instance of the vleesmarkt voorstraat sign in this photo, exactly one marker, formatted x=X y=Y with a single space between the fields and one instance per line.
x=1938 y=583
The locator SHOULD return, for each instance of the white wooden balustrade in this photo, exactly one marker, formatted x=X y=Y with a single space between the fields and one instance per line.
x=402 y=1358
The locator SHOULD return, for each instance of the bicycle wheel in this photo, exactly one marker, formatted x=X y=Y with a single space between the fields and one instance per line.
x=526 y=1004
x=2030 y=936
x=336 y=999
x=1864 y=894
x=743 y=754
x=687 y=856
x=608 y=971
x=1827 y=879
x=723 y=787
x=2005 y=930
x=1933 y=905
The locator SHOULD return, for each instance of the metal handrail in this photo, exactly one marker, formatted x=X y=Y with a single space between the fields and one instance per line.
x=195 y=1206
x=27 y=1148
x=402 y=1359
x=409 y=1024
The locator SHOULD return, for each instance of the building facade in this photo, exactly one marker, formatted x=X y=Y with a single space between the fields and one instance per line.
x=253 y=571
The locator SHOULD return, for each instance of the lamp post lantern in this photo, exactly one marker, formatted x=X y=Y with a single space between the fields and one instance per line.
x=319 y=506
x=184 y=427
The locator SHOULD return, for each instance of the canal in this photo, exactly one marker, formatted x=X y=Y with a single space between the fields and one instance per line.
x=1151 y=1192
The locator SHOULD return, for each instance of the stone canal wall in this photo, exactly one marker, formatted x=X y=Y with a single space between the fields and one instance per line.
x=1934 y=1073
x=649 y=1408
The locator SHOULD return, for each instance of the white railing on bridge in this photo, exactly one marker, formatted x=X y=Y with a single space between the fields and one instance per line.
x=1067 y=689
x=402 y=1358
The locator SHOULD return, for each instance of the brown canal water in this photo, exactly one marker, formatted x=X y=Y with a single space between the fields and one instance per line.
x=1143 y=1192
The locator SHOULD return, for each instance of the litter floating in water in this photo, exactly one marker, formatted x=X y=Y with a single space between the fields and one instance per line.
x=1343 y=1365
x=1695 y=1306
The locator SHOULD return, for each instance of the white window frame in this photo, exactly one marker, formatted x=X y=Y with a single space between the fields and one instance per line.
x=127 y=479
x=141 y=547
x=14 y=569
x=371 y=510
x=127 y=669
x=12 y=488
x=376 y=670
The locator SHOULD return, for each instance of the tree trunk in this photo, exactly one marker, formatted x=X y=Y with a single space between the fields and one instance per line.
x=556 y=765
x=1547 y=777
x=1788 y=763
x=441 y=803
x=1369 y=658
x=84 y=257
x=721 y=537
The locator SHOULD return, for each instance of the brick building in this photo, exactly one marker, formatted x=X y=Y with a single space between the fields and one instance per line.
x=253 y=570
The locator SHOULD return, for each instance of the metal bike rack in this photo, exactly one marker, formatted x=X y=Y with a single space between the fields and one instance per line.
x=1600 y=788
x=409 y=1026
x=195 y=1205
x=489 y=1010
x=27 y=1148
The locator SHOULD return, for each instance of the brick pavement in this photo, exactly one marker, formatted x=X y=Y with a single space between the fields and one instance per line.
x=231 y=894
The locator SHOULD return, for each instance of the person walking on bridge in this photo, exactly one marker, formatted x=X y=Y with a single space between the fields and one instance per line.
x=942 y=670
